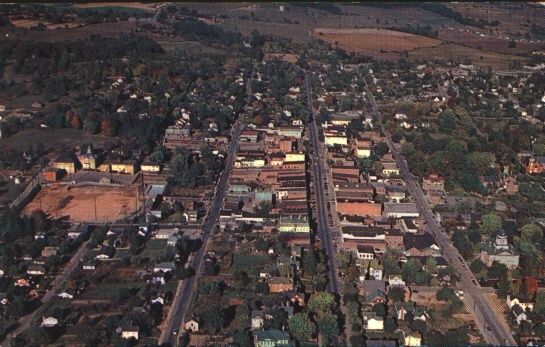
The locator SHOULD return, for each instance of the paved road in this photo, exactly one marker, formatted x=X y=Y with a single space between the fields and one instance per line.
x=59 y=280
x=320 y=180
x=323 y=217
x=489 y=323
x=184 y=291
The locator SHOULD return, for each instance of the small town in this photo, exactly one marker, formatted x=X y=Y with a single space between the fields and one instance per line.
x=272 y=174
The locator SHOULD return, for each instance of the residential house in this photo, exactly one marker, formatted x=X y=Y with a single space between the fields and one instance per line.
x=518 y=314
x=271 y=338
x=433 y=182
x=510 y=184
x=526 y=304
x=164 y=267
x=192 y=325
x=90 y=265
x=372 y=322
x=365 y=252
x=67 y=294
x=413 y=339
x=389 y=168
x=36 y=270
x=257 y=319
x=150 y=166
x=536 y=165
x=49 y=322
x=374 y=291
x=370 y=267
x=420 y=245
x=130 y=332
x=280 y=284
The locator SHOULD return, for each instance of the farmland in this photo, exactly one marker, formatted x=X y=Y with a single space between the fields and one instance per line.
x=373 y=40
x=78 y=203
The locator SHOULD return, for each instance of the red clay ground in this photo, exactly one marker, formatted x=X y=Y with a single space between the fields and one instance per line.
x=112 y=202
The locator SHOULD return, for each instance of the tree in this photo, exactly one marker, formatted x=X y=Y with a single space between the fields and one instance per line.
x=531 y=232
x=447 y=121
x=390 y=325
x=321 y=303
x=410 y=270
x=445 y=294
x=431 y=265
x=460 y=241
x=381 y=148
x=480 y=161
x=213 y=319
x=457 y=337
x=397 y=294
x=328 y=327
x=539 y=305
x=531 y=255
x=477 y=266
x=242 y=338
x=301 y=327
x=379 y=309
x=491 y=223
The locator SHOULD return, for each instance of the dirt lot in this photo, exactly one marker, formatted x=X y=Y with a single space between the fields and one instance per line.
x=77 y=203
x=372 y=41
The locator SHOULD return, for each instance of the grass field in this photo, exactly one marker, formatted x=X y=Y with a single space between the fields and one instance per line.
x=51 y=138
x=118 y=5
x=78 y=203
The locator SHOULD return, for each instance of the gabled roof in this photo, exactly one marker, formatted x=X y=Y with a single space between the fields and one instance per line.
x=419 y=242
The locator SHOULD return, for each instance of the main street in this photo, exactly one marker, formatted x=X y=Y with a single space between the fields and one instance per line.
x=488 y=321
x=323 y=208
x=184 y=291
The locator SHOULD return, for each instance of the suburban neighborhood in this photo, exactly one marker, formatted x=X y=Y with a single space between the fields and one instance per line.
x=272 y=174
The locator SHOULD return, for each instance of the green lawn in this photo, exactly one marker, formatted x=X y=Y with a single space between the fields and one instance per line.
x=108 y=291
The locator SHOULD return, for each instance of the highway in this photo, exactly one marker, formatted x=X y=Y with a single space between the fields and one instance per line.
x=184 y=291
x=488 y=322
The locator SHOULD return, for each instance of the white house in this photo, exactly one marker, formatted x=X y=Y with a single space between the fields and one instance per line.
x=527 y=305
x=130 y=332
x=67 y=294
x=192 y=325
x=49 y=322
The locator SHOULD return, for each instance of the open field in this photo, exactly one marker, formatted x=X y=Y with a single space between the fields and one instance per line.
x=78 y=203
x=374 y=40
x=113 y=29
x=448 y=51
x=489 y=42
x=51 y=138
x=29 y=23
x=137 y=5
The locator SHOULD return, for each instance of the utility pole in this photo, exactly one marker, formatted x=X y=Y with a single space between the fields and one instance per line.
x=95 y=200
